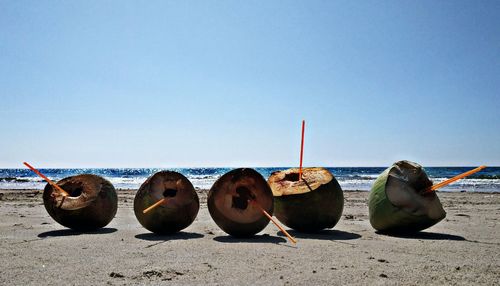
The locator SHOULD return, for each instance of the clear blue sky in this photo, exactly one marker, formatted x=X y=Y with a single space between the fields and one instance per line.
x=226 y=83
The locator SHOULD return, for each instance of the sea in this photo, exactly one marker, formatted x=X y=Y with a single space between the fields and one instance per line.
x=350 y=178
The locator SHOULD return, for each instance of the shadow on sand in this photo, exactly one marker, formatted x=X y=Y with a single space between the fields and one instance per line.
x=265 y=238
x=434 y=236
x=327 y=234
x=423 y=235
x=149 y=236
x=71 y=232
x=162 y=238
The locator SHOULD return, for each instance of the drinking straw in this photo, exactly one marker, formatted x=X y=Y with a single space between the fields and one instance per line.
x=154 y=205
x=301 y=149
x=274 y=221
x=54 y=185
x=449 y=181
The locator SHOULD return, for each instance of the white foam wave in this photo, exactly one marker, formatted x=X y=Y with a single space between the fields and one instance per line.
x=206 y=182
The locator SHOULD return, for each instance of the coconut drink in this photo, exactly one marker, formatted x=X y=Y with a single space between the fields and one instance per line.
x=313 y=203
x=89 y=202
x=397 y=202
x=175 y=199
x=237 y=202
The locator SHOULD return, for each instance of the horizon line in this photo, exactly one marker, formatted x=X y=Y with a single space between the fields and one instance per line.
x=233 y=167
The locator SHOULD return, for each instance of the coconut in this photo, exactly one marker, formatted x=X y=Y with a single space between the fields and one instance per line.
x=91 y=204
x=397 y=203
x=309 y=205
x=231 y=202
x=179 y=209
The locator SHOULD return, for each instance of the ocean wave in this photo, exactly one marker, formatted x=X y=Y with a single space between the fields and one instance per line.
x=21 y=180
x=206 y=182
x=204 y=178
x=485 y=177
x=357 y=177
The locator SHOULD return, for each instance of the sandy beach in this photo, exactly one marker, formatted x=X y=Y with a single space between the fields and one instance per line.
x=463 y=249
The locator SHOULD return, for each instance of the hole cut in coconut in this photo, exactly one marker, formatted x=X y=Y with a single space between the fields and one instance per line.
x=292 y=177
x=73 y=189
x=287 y=182
x=403 y=189
x=241 y=201
x=169 y=193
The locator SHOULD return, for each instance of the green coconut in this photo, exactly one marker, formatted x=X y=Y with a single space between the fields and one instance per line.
x=397 y=203
x=231 y=202
x=179 y=209
x=91 y=204
x=309 y=205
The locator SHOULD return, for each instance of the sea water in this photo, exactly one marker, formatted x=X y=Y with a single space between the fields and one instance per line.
x=350 y=178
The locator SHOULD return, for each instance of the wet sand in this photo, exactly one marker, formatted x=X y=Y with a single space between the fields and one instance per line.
x=463 y=249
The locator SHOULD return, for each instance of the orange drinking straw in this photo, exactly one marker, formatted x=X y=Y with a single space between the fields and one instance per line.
x=301 y=149
x=54 y=185
x=154 y=205
x=275 y=222
x=456 y=178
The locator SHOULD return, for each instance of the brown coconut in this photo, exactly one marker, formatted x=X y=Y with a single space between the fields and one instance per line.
x=230 y=202
x=308 y=205
x=91 y=204
x=179 y=209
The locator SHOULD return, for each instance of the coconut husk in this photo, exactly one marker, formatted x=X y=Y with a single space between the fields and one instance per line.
x=314 y=203
x=229 y=202
x=178 y=210
x=396 y=203
x=92 y=202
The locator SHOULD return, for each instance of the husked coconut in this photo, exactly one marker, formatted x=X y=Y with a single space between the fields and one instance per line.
x=92 y=202
x=180 y=206
x=308 y=205
x=234 y=200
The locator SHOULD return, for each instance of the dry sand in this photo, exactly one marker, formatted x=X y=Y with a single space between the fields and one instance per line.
x=462 y=249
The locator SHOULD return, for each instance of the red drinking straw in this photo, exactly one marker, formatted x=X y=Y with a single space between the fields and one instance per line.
x=302 y=149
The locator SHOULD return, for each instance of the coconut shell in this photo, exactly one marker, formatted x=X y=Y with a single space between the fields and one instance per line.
x=409 y=213
x=91 y=204
x=229 y=202
x=179 y=210
x=310 y=205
